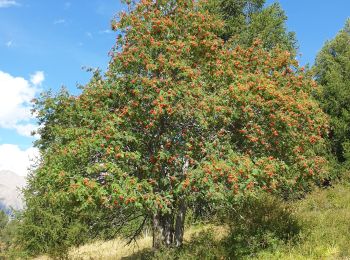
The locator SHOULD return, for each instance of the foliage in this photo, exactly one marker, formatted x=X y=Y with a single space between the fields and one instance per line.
x=48 y=230
x=46 y=227
x=3 y=222
x=179 y=117
x=247 y=20
x=332 y=72
x=237 y=14
x=259 y=222
x=8 y=229
x=3 y=219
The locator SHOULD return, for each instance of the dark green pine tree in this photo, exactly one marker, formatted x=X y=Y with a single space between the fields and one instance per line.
x=246 y=20
x=332 y=71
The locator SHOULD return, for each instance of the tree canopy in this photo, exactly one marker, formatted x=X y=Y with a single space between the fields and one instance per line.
x=247 y=20
x=179 y=117
x=332 y=72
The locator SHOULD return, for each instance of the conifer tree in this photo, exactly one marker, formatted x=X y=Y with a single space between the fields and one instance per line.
x=332 y=72
x=247 y=20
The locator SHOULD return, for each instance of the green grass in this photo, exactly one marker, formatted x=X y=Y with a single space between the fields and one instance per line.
x=324 y=217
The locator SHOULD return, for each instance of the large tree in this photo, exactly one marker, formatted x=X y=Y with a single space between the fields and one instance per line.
x=179 y=117
x=332 y=72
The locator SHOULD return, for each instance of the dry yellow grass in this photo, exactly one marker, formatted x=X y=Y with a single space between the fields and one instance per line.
x=113 y=249
x=117 y=249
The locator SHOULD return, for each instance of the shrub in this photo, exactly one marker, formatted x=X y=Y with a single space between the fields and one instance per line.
x=259 y=222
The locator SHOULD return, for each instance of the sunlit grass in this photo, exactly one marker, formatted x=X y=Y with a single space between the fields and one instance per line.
x=117 y=248
x=325 y=219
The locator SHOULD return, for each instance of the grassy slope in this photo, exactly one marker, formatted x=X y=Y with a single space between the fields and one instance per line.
x=324 y=217
x=325 y=220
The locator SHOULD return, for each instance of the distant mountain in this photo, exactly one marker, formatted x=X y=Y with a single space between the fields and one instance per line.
x=10 y=195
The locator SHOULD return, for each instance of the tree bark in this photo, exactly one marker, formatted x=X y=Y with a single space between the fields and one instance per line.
x=168 y=231
x=163 y=230
x=157 y=232
x=181 y=214
x=180 y=223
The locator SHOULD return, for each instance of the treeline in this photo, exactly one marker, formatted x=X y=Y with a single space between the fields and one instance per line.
x=202 y=110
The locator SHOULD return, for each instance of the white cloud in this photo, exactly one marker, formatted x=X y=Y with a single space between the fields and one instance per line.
x=107 y=31
x=59 y=21
x=9 y=44
x=8 y=3
x=12 y=158
x=89 y=34
x=26 y=130
x=16 y=94
x=67 y=5
x=37 y=78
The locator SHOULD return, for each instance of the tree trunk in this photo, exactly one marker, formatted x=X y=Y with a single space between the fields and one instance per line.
x=157 y=232
x=180 y=223
x=165 y=233
x=163 y=230
x=168 y=229
x=181 y=213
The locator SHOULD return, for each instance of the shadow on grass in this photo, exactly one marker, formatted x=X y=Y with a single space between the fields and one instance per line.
x=202 y=246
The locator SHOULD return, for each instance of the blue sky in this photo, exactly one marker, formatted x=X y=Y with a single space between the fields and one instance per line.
x=314 y=22
x=44 y=45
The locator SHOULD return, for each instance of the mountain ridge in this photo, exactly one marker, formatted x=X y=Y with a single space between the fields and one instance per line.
x=10 y=191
